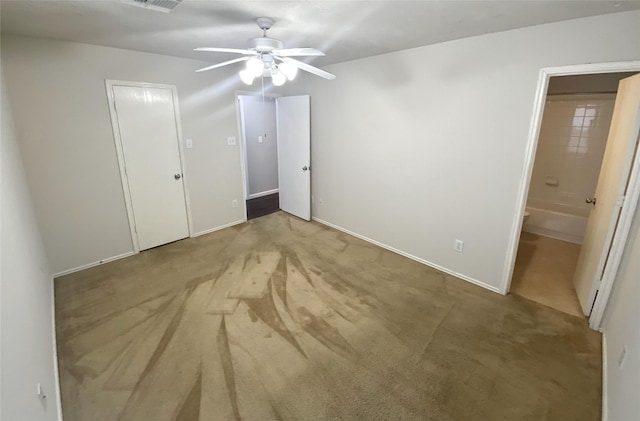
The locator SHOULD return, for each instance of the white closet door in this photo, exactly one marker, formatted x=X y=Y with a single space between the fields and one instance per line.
x=294 y=154
x=149 y=138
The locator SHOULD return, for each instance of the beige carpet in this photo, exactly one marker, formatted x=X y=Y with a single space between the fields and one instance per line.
x=544 y=272
x=280 y=319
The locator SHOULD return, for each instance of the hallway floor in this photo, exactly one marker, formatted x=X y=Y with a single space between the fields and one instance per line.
x=282 y=319
x=544 y=272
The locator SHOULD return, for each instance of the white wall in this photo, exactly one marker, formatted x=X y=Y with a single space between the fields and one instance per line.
x=57 y=92
x=26 y=291
x=259 y=119
x=417 y=148
x=621 y=331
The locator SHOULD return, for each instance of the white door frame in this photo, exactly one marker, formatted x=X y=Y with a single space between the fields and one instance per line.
x=109 y=83
x=630 y=203
x=244 y=166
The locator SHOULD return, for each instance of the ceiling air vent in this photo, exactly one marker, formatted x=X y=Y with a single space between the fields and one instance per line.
x=158 y=5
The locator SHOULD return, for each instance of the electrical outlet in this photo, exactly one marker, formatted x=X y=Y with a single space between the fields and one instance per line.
x=458 y=246
x=231 y=141
x=622 y=355
x=189 y=143
x=234 y=203
x=320 y=201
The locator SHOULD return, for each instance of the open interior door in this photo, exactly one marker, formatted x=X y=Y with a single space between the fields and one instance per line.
x=294 y=154
x=610 y=192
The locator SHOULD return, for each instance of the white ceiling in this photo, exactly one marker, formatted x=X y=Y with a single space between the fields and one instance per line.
x=345 y=30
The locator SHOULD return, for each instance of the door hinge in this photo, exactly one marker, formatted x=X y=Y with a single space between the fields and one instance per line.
x=620 y=201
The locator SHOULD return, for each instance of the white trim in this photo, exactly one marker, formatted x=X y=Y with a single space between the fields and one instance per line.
x=90 y=265
x=183 y=162
x=221 y=227
x=264 y=193
x=521 y=201
x=532 y=142
x=120 y=155
x=109 y=84
x=242 y=141
x=243 y=155
x=407 y=255
x=244 y=168
x=605 y=386
x=56 y=367
x=255 y=93
x=569 y=97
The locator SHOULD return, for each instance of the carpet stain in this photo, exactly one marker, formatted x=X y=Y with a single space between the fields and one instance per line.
x=282 y=319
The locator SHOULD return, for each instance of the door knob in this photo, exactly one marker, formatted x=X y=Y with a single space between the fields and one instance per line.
x=305 y=168
x=177 y=176
x=591 y=200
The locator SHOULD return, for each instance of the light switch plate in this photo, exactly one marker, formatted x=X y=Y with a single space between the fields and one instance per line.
x=231 y=141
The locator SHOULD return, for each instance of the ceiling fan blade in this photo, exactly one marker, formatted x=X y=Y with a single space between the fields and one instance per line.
x=224 y=63
x=226 y=50
x=308 y=68
x=290 y=52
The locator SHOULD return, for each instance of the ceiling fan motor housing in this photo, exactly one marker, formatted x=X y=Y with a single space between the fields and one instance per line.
x=264 y=44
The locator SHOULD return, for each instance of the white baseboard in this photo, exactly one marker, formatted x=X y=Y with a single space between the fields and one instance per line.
x=90 y=265
x=56 y=368
x=131 y=253
x=221 y=227
x=264 y=193
x=605 y=400
x=410 y=256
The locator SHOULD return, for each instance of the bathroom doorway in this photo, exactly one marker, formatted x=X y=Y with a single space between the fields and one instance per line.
x=567 y=164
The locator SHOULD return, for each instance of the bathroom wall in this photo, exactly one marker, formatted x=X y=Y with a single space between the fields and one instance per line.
x=570 y=150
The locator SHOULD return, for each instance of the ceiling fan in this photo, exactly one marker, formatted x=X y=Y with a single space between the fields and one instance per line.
x=265 y=57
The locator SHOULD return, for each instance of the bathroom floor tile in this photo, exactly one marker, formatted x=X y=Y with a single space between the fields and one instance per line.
x=544 y=272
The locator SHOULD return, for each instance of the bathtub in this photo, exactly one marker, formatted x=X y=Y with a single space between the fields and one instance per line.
x=556 y=220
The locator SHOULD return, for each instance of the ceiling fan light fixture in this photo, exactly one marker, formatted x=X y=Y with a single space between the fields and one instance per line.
x=278 y=78
x=289 y=70
x=266 y=57
x=246 y=76
x=255 y=66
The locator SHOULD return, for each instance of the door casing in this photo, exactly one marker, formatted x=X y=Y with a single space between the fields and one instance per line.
x=628 y=208
x=243 y=142
x=109 y=84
